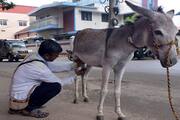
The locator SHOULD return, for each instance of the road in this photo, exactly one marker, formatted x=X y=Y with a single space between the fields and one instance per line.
x=144 y=94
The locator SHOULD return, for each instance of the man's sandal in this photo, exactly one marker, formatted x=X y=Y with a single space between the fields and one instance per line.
x=34 y=113
x=11 y=111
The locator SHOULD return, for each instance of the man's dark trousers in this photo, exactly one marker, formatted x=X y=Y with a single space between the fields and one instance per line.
x=43 y=94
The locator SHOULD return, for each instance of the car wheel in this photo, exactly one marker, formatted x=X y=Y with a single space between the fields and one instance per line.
x=10 y=58
x=138 y=55
x=16 y=59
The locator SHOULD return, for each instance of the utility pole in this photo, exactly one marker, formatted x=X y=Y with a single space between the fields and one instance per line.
x=112 y=10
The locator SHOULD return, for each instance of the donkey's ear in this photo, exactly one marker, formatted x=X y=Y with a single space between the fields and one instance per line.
x=170 y=13
x=141 y=10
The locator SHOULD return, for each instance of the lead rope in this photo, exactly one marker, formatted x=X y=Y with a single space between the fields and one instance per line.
x=169 y=95
x=169 y=88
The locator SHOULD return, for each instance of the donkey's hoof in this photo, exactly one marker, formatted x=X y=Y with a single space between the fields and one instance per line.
x=121 y=118
x=75 y=101
x=99 y=117
x=86 y=100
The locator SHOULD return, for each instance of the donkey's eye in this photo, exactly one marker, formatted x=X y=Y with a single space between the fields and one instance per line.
x=158 y=32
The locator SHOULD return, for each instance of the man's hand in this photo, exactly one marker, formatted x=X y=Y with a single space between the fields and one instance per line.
x=79 y=68
x=80 y=71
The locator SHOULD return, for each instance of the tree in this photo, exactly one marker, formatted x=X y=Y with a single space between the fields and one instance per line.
x=4 y=5
x=131 y=18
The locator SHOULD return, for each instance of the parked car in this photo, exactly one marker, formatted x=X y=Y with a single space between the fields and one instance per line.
x=36 y=40
x=5 y=50
x=15 y=50
x=142 y=53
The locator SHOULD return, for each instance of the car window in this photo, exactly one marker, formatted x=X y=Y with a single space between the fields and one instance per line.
x=18 y=44
x=6 y=45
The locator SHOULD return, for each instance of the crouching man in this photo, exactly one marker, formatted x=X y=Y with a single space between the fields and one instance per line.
x=33 y=82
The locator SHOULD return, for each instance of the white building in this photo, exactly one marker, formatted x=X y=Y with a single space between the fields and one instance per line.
x=14 y=20
x=176 y=20
x=66 y=18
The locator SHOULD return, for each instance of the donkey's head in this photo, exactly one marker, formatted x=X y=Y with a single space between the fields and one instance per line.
x=162 y=33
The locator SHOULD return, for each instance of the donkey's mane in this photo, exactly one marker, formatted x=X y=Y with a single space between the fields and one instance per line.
x=160 y=9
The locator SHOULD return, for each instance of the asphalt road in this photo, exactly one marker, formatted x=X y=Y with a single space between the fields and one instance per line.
x=144 y=94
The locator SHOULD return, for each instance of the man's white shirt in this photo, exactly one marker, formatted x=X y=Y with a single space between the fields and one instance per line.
x=33 y=73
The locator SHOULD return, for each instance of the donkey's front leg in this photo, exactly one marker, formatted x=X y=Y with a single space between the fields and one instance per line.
x=76 y=94
x=104 y=89
x=118 y=74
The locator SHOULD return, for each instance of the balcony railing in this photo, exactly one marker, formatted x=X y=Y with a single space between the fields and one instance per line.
x=45 y=23
x=87 y=2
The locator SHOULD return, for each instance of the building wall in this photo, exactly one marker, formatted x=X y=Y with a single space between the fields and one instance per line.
x=68 y=20
x=26 y=35
x=52 y=12
x=95 y=23
x=8 y=31
x=124 y=9
x=48 y=34
x=150 y=4
x=56 y=13
x=19 y=12
x=176 y=20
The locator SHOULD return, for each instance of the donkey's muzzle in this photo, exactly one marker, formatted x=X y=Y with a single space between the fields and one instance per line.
x=171 y=62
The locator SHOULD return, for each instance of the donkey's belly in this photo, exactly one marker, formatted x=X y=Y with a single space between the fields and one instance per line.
x=92 y=60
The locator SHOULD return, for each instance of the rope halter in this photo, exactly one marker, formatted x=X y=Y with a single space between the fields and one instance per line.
x=168 y=75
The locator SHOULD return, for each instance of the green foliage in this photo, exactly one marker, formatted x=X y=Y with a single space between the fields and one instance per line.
x=4 y=5
x=130 y=18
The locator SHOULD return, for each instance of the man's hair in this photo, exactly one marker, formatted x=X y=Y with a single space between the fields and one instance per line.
x=48 y=47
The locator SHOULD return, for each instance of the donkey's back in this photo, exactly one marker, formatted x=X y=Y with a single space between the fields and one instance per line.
x=89 y=46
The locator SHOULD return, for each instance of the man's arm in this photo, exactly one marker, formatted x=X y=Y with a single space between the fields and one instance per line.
x=48 y=76
x=61 y=66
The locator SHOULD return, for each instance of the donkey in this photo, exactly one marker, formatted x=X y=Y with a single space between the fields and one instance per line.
x=155 y=29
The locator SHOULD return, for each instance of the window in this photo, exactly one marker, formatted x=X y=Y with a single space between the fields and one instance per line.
x=3 y=22
x=150 y=4
x=104 y=17
x=86 y=16
x=42 y=17
x=75 y=0
x=3 y=30
x=22 y=23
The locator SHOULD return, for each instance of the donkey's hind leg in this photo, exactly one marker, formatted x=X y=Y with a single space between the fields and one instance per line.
x=84 y=84
x=76 y=93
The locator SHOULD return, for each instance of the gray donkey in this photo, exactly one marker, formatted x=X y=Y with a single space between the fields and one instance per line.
x=93 y=47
